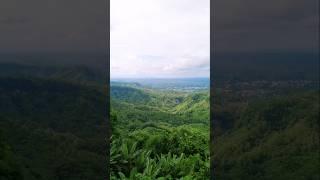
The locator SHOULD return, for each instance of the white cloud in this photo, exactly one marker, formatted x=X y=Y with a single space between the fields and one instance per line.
x=160 y=38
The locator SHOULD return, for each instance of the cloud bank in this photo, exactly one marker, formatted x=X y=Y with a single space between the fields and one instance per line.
x=160 y=38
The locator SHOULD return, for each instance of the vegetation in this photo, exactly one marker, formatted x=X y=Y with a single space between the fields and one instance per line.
x=270 y=136
x=9 y=169
x=51 y=130
x=159 y=134
x=265 y=125
x=265 y=116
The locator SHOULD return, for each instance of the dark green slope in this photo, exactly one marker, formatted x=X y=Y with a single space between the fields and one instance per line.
x=274 y=139
x=9 y=168
x=55 y=130
x=139 y=95
x=129 y=95
x=265 y=66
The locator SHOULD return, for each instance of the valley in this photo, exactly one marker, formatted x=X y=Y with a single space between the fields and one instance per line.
x=159 y=133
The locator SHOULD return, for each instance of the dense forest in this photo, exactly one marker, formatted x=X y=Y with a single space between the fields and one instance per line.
x=265 y=117
x=53 y=130
x=265 y=125
x=52 y=122
x=159 y=134
x=274 y=138
x=265 y=120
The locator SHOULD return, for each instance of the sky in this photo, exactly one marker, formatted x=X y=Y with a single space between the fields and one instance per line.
x=159 y=38
x=53 y=26
x=265 y=26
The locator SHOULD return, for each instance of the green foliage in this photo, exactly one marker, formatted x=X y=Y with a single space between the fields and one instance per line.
x=53 y=129
x=161 y=135
x=277 y=138
x=145 y=105
x=9 y=168
x=128 y=161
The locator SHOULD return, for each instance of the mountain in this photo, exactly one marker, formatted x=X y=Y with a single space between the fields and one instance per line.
x=85 y=68
x=276 y=66
x=129 y=94
x=75 y=73
x=179 y=84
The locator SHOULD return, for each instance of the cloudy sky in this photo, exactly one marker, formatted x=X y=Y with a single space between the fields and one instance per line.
x=160 y=38
x=265 y=26
x=53 y=26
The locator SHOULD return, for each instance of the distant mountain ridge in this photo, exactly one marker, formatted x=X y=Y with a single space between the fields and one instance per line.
x=275 y=66
x=195 y=105
x=64 y=73
x=184 y=84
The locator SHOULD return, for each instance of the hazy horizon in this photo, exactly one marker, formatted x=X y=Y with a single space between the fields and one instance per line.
x=191 y=77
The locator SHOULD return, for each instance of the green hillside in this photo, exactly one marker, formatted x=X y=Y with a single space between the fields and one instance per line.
x=159 y=134
x=51 y=130
x=195 y=106
x=274 y=138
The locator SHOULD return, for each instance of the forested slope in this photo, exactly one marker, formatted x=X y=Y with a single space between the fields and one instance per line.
x=274 y=138
x=159 y=134
x=52 y=129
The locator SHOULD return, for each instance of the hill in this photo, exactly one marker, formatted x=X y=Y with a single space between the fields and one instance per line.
x=274 y=138
x=73 y=73
x=53 y=129
x=173 y=106
x=159 y=133
x=277 y=66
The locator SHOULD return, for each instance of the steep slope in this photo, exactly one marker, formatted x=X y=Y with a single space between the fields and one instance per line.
x=195 y=106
